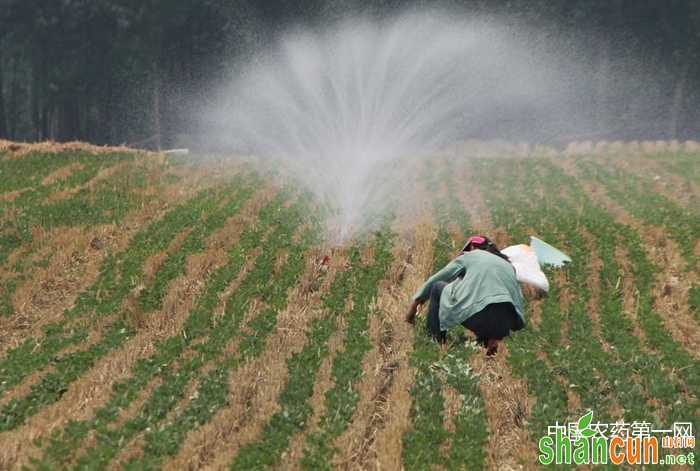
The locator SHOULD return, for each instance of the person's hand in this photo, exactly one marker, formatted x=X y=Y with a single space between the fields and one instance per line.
x=411 y=313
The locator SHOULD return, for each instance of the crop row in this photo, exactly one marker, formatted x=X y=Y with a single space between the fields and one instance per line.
x=683 y=369
x=30 y=208
x=215 y=216
x=595 y=372
x=178 y=359
x=684 y=163
x=359 y=282
x=31 y=191
x=592 y=379
x=107 y=201
x=68 y=368
x=213 y=391
x=346 y=371
x=422 y=442
x=28 y=172
x=34 y=353
x=120 y=274
x=21 y=271
x=509 y=211
x=637 y=196
x=470 y=436
x=643 y=269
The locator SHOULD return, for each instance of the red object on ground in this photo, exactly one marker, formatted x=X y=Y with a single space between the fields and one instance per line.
x=324 y=261
x=492 y=346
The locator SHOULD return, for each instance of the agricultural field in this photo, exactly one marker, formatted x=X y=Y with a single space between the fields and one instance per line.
x=169 y=312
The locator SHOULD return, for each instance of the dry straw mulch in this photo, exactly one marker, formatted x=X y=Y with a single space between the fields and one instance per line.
x=17 y=150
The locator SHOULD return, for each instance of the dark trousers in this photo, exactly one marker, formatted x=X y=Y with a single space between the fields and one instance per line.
x=495 y=321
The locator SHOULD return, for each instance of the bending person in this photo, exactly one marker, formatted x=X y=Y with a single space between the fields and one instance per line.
x=479 y=290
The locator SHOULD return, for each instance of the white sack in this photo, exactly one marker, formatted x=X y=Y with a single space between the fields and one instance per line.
x=527 y=267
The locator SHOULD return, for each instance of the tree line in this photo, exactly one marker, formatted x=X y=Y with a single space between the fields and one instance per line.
x=127 y=71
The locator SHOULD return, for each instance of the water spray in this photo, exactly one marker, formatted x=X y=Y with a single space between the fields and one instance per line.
x=341 y=108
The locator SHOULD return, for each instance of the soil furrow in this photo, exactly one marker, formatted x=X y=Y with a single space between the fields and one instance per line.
x=61 y=173
x=379 y=364
x=386 y=452
x=74 y=265
x=94 y=387
x=511 y=444
x=317 y=402
x=256 y=386
x=136 y=444
x=673 y=282
x=674 y=187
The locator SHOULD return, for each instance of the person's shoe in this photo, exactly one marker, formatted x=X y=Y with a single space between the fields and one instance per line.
x=492 y=346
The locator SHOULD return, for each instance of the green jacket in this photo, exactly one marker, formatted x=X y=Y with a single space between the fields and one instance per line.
x=476 y=279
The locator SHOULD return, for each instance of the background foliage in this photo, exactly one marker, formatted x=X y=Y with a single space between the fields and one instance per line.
x=126 y=71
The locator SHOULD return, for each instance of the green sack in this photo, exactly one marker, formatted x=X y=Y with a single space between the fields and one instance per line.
x=548 y=255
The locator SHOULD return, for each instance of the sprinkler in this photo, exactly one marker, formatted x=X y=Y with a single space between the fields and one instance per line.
x=323 y=262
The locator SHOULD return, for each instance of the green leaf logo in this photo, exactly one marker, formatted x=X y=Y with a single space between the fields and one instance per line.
x=585 y=421
x=583 y=424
